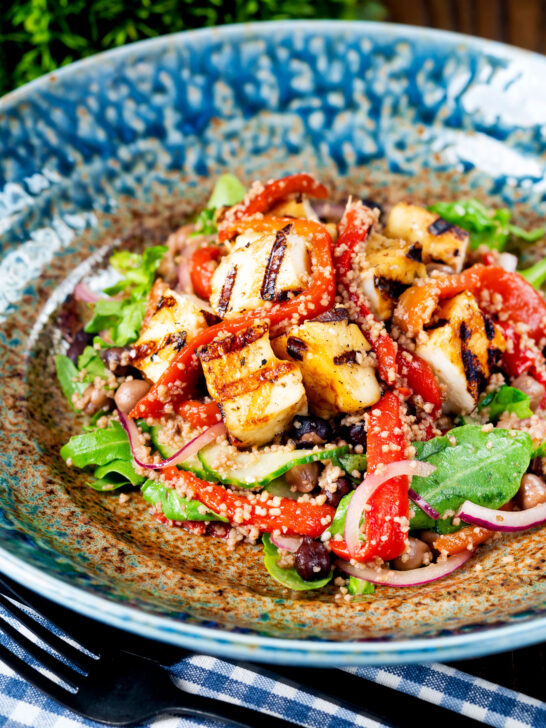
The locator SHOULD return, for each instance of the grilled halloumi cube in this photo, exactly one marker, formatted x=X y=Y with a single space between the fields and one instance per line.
x=257 y=393
x=461 y=345
x=387 y=268
x=442 y=242
x=331 y=353
x=171 y=320
x=262 y=266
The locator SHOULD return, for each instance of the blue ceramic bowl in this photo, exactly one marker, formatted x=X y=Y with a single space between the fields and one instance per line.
x=377 y=109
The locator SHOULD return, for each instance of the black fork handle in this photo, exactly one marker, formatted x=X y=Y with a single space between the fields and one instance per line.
x=205 y=708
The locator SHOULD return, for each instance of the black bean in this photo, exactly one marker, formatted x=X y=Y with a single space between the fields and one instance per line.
x=116 y=360
x=343 y=486
x=310 y=431
x=357 y=434
x=372 y=204
x=79 y=342
x=312 y=560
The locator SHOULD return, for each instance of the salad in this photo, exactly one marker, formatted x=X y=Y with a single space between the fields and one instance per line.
x=361 y=391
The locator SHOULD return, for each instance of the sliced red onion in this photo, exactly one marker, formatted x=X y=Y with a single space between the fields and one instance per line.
x=423 y=505
x=192 y=447
x=413 y=577
x=83 y=293
x=183 y=272
x=368 y=487
x=288 y=543
x=502 y=520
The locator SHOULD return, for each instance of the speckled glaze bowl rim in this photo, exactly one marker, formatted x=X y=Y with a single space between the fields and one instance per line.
x=223 y=642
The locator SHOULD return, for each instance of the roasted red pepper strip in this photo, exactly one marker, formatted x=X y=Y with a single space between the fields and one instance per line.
x=520 y=300
x=177 y=382
x=420 y=378
x=267 y=197
x=383 y=524
x=518 y=359
x=288 y=516
x=202 y=267
x=200 y=414
x=354 y=229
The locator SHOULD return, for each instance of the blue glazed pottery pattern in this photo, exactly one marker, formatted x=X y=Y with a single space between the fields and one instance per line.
x=365 y=106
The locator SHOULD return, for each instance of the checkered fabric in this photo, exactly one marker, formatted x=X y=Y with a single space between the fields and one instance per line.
x=22 y=706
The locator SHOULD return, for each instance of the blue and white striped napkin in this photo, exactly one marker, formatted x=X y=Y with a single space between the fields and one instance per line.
x=21 y=706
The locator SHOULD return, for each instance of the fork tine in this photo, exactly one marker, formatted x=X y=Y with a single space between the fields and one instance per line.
x=56 y=643
x=46 y=659
x=34 y=677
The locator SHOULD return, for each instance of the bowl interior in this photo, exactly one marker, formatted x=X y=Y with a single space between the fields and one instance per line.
x=120 y=150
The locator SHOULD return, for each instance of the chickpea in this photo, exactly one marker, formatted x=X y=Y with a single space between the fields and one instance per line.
x=418 y=553
x=532 y=491
x=129 y=393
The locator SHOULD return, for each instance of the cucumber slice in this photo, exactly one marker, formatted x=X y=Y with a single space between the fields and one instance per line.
x=193 y=464
x=250 y=469
x=352 y=462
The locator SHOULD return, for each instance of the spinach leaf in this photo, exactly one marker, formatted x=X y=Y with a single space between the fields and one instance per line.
x=486 y=226
x=100 y=447
x=287 y=577
x=360 y=586
x=69 y=378
x=337 y=527
x=483 y=467
x=123 y=468
x=227 y=191
x=173 y=506
x=506 y=399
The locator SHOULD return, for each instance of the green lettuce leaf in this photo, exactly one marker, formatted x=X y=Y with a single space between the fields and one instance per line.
x=173 y=506
x=227 y=191
x=287 y=577
x=536 y=274
x=69 y=378
x=483 y=467
x=486 y=226
x=119 y=470
x=506 y=399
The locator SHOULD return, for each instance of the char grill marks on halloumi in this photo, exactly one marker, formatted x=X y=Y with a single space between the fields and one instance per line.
x=332 y=355
x=261 y=267
x=462 y=345
x=172 y=319
x=442 y=242
x=257 y=393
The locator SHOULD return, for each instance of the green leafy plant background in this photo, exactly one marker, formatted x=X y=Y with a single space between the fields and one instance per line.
x=38 y=36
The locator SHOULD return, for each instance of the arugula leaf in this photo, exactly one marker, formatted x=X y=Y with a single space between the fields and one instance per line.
x=106 y=485
x=90 y=360
x=69 y=378
x=506 y=399
x=123 y=317
x=227 y=191
x=483 y=467
x=139 y=270
x=123 y=468
x=287 y=577
x=486 y=226
x=173 y=506
x=536 y=274
x=100 y=447
x=360 y=586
